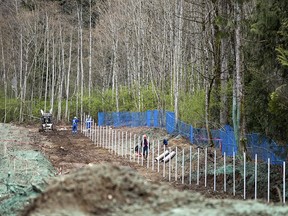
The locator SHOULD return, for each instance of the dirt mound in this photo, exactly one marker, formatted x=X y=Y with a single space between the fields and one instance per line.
x=113 y=190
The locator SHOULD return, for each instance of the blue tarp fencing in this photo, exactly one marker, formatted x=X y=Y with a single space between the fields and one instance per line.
x=222 y=138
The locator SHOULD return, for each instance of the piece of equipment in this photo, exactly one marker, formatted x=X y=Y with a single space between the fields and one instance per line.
x=46 y=121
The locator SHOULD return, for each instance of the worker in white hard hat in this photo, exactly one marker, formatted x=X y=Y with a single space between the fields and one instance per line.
x=88 y=122
x=74 y=125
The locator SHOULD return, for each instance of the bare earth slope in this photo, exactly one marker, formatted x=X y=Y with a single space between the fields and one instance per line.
x=92 y=181
x=113 y=190
x=96 y=182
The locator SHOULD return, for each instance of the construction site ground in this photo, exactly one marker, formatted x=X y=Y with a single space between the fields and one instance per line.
x=80 y=178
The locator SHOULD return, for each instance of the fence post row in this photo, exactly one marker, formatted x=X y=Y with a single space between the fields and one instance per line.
x=103 y=136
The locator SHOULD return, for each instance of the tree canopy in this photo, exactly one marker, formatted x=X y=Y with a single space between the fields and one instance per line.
x=213 y=62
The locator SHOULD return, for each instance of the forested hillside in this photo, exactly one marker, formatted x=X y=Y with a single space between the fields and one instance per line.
x=212 y=62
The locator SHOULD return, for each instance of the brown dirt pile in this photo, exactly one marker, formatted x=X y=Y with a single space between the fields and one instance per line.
x=116 y=190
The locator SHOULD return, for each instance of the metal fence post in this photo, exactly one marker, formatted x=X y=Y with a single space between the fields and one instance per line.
x=158 y=169
x=198 y=164
x=183 y=164
x=284 y=179
x=244 y=190
x=215 y=158
x=176 y=164
x=190 y=165
x=255 y=195
x=234 y=191
x=268 y=189
x=206 y=166
x=224 y=171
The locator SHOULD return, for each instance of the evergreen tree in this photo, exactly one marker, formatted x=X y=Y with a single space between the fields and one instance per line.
x=265 y=73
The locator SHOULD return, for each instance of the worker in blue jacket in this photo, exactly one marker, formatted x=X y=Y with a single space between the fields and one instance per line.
x=74 y=125
x=88 y=122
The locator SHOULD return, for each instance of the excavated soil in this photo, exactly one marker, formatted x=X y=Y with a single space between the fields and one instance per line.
x=90 y=180
x=106 y=189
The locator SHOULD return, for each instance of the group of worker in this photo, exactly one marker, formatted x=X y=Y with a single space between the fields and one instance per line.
x=144 y=145
x=75 y=122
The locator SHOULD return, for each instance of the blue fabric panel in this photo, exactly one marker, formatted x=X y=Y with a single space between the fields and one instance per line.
x=228 y=141
x=191 y=138
x=170 y=122
x=156 y=121
x=222 y=138
x=149 y=118
x=184 y=129
x=100 y=118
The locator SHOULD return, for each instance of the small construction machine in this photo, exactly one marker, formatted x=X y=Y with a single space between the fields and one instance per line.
x=46 y=121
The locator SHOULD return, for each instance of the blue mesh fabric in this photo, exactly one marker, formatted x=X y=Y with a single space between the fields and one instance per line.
x=222 y=138
x=170 y=122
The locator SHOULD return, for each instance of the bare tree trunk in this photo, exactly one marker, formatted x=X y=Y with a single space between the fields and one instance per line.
x=240 y=123
x=177 y=54
x=20 y=65
x=171 y=49
x=81 y=61
x=117 y=94
x=68 y=77
x=53 y=73
x=78 y=75
x=47 y=62
x=33 y=87
x=4 y=80
x=114 y=63
x=216 y=55
x=62 y=74
x=224 y=71
x=15 y=76
x=138 y=25
x=164 y=60
x=224 y=80
x=208 y=62
x=24 y=87
x=115 y=70
x=40 y=93
x=21 y=74
x=208 y=89
x=90 y=53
